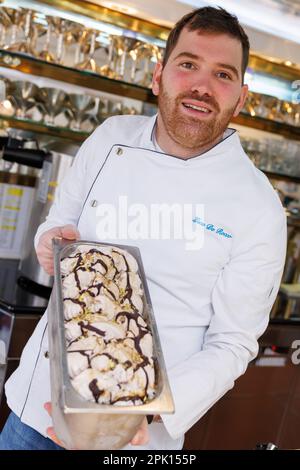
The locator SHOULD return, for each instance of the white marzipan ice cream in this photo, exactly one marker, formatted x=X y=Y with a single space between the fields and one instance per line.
x=109 y=344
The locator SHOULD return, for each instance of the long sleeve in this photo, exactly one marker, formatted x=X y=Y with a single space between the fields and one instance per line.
x=241 y=302
x=72 y=191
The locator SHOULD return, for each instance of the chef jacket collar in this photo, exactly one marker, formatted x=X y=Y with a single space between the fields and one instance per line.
x=230 y=140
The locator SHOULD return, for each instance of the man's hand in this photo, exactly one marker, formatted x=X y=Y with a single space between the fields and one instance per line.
x=44 y=250
x=50 y=431
x=142 y=435
x=140 y=438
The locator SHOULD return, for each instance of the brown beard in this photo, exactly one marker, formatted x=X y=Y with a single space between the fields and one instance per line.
x=190 y=132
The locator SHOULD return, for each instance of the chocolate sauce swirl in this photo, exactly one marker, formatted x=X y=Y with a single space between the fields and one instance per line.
x=83 y=353
x=93 y=386
x=89 y=327
x=134 y=326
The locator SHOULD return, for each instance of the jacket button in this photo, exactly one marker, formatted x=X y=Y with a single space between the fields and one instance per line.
x=46 y=354
x=94 y=203
x=119 y=151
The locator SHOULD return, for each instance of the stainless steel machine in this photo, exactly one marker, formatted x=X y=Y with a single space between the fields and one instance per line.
x=28 y=179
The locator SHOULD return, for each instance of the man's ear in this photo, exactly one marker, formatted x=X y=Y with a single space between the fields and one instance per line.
x=241 y=102
x=156 y=78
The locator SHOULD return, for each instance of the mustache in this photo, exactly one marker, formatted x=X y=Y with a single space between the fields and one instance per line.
x=209 y=100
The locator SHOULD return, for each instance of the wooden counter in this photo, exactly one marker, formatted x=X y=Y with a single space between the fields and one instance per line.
x=264 y=405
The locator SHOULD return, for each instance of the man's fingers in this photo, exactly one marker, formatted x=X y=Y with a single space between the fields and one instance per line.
x=53 y=437
x=48 y=408
x=142 y=436
x=44 y=250
x=70 y=232
x=50 y=431
x=48 y=266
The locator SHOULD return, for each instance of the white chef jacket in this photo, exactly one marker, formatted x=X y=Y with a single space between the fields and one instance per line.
x=212 y=303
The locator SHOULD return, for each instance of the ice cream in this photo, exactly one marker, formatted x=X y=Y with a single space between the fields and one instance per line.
x=109 y=344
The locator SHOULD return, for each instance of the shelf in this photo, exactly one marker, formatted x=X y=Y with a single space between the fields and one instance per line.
x=32 y=126
x=291 y=132
x=94 y=81
x=260 y=62
x=80 y=136
x=282 y=177
x=40 y=68
x=107 y=15
x=272 y=66
x=295 y=223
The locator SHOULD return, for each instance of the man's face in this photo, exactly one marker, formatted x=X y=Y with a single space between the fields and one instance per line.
x=200 y=87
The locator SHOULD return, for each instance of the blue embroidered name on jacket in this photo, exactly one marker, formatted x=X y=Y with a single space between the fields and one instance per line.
x=211 y=228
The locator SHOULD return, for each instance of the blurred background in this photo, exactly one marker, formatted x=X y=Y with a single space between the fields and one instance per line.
x=65 y=66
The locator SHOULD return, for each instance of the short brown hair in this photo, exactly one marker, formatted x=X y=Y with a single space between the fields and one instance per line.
x=213 y=20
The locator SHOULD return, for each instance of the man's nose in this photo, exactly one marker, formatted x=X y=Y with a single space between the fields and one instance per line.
x=202 y=86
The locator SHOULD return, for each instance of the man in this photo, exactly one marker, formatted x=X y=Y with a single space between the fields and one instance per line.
x=214 y=276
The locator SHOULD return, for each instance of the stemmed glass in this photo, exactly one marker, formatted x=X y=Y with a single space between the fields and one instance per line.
x=23 y=95
x=109 y=69
x=47 y=31
x=264 y=106
x=63 y=30
x=88 y=40
x=269 y=107
x=53 y=102
x=126 y=51
x=22 y=18
x=5 y=23
x=285 y=112
x=13 y=29
x=121 y=53
x=296 y=114
x=77 y=107
x=145 y=54
x=6 y=105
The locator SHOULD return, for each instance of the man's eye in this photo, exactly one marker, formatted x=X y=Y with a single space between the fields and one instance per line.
x=224 y=75
x=187 y=65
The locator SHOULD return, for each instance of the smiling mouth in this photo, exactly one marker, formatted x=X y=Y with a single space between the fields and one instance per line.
x=200 y=109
